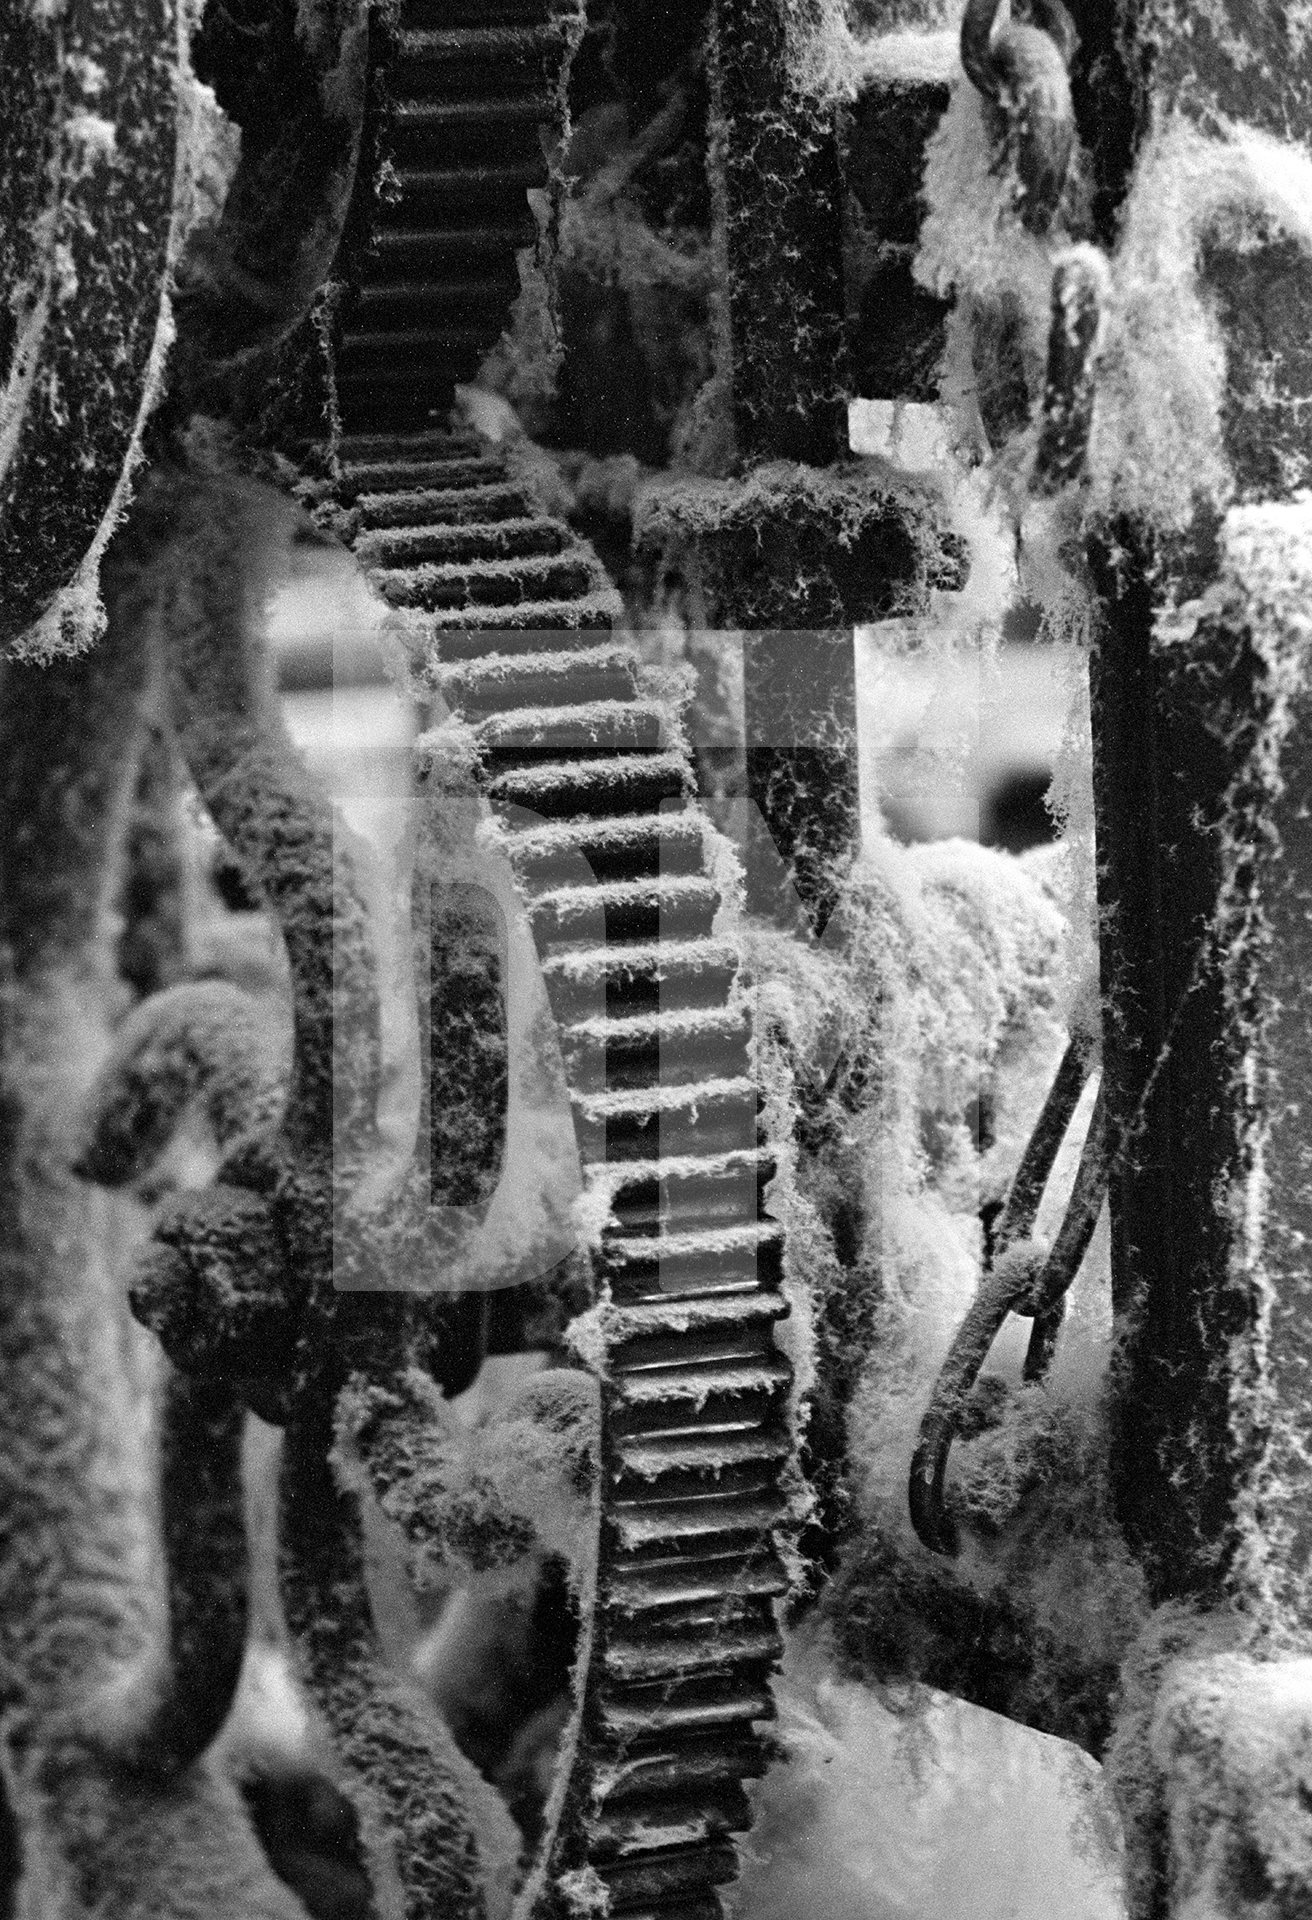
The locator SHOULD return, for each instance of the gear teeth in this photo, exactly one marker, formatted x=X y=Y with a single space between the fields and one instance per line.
x=637 y=782
x=657 y=1589
x=448 y=15
x=621 y=910
x=670 y=843
x=645 y=1830
x=635 y=1329
x=666 y=1047
x=443 y=444
x=633 y=1713
x=370 y=469
x=668 y=1464
x=505 y=683
x=685 y=1265
x=457 y=63
x=642 y=1657
x=461 y=506
x=455 y=585
x=557 y=625
x=635 y=1884
x=677 y=1773
x=437 y=199
x=471 y=89
x=530 y=736
x=700 y=1117
x=591 y=787
x=719 y=1190
x=513 y=537
x=637 y=980
x=510 y=618
x=706 y=1909
x=470 y=130
x=428 y=252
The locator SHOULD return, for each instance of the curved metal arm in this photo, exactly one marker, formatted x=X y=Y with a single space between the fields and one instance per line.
x=178 y=1712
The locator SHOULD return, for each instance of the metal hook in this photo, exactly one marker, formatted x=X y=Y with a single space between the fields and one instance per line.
x=1015 y=1287
x=1022 y=67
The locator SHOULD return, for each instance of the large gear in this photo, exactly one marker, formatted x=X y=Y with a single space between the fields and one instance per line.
x=512 y=621
x=595 y=795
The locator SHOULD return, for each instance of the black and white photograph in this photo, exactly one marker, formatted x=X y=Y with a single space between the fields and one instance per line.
x=655 y=959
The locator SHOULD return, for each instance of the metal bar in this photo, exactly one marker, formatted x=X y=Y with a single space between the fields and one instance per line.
x=1200 y=785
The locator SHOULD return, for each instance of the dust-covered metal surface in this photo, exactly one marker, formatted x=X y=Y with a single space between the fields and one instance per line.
x=509 y=618
x=90 y=171
x=590 y=781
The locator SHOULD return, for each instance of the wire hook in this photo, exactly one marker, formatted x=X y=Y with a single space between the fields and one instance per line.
x=1034 y=1284
x=1021 y=68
